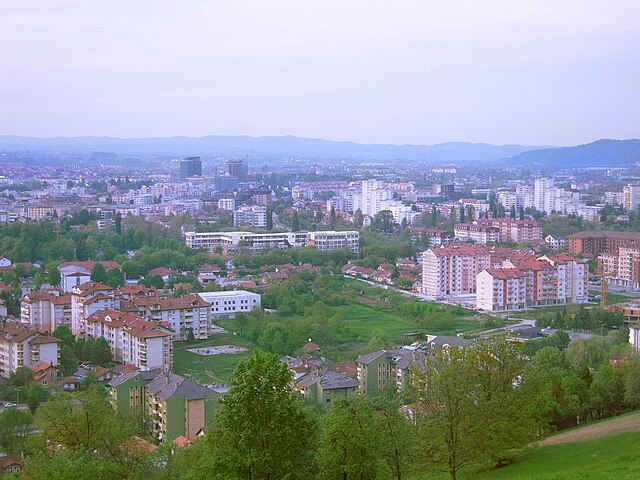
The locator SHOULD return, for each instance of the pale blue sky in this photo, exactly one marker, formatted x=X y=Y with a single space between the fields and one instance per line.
x=554 y=72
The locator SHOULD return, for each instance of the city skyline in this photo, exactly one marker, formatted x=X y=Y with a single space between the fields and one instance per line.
x=536 y=74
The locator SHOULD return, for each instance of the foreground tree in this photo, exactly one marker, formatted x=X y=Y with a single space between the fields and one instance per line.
x=471 y=410
x=98 y=273
x=260 y=430
x=15 y=426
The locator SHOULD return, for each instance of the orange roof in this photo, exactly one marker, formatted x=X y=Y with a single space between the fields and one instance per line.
x=182 y=441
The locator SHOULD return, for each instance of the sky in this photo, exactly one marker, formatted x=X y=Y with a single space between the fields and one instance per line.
x=543 y=72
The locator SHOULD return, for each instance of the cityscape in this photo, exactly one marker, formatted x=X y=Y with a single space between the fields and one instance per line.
x=263 y=272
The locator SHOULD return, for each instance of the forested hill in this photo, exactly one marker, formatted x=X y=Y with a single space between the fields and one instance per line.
x=602 y=153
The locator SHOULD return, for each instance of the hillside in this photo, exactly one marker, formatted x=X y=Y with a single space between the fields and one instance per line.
x=602 y=153
x=599 y=451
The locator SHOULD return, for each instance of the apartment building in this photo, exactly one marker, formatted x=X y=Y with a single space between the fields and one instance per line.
x=530 y=282
x=254 y=215
x=226 y=304
x=133 y=340
x=433 y=237
x=176 y=406
x=453 y=270
x=182 y=315
x=621 y=267
x=593 y=243
x=77 y=273
x=389 y=369
x=329 y=240
x=515 y=230
x=45 y=311
x=22 y=347
x=263 y=241
x=631 y=195
x=477 y=232
x=38 y=213
x=87 y=299
x=501 y=289
x=634 y=338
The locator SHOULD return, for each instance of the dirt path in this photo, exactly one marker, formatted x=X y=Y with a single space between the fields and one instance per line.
x=628 y=423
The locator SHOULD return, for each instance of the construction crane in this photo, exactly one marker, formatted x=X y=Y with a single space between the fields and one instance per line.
x=603 y=286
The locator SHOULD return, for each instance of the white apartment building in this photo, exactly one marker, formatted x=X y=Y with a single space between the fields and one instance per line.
x=372 y=198
x=227 y=304
x=326 y=241
x=453 y=270
x=501 y=289
x=261 y=241
x=189 y=312
x=622 y=268
x=39 y=212
x=133 y=340
x=45 y=311
x=228 y=204
x=255 y=215
x=631 y=194
x=477 y=232
x=22 y=347
x=87 y=299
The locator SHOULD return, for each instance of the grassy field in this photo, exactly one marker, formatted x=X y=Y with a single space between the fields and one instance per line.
x=597 y=452
x=369 y=311
x=209 y=368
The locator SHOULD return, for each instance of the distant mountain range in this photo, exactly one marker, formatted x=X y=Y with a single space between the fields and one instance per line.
x=600 y=153
x=267 y=147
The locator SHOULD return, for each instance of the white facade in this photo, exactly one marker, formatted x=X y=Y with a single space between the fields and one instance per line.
x=453 y=270
x=634 y=338
x=501 y=289
x=87 y=299
x=328 y=240
x=259 y=241
x=227 y=304
x=228 y=204
x=133 y=340
x=255 y=215
x=45 y=311
x=24 y=348
x=631 y=194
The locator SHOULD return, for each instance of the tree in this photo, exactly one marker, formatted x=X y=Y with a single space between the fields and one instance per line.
x=512 y=212
x=37 y=395
x=101 y=354
x=63 y=332
x=68 y=361
x=383 y=221
x=83 y=420
x=450 y=435
x=262 y=431
x=269 y=218
x=115 y=278
x=53 y=277
x=38 y=280
x=276 y=338
x=98 y=273
x=118 y=224
x=462 y=218
x=473 y=411
x=332 y=218
x=15 y=427
x=295 y=222
x=22 y=377
x=350 y=446
x=358 y=218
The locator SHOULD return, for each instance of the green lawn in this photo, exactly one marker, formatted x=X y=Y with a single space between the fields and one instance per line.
x=612 y=297
x=615 y=457
x=209 y=368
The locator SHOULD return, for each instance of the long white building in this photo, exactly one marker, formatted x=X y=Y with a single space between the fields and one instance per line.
x=227 y=304
x=261 y=241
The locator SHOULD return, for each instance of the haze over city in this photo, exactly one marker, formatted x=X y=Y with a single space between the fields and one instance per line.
x=532 y=73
